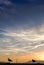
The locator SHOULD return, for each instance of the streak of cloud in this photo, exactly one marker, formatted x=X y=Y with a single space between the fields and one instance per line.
x=23 y=41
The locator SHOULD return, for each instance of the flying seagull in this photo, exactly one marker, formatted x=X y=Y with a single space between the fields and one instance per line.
x=33 y=60
x=9 y=60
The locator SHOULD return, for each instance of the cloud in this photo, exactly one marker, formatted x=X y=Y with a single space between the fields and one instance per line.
x=22 y=26
x=7 y=8
x=38 y=46
x=21 y=15
x=22 y=41
x=6 y=2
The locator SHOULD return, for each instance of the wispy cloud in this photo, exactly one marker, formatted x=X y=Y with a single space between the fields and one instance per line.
x=7 y=9
x=6 y=2
x=21 y=41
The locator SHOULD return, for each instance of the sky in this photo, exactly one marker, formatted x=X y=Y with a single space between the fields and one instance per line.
x=21 y=26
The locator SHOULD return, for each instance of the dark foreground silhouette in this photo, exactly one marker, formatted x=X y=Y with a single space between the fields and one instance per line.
x=33 y=60
x=9 y=60
x=27 y=63
x=2 y=63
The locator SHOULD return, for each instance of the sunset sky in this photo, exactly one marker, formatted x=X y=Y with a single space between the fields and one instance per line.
x=21 y=26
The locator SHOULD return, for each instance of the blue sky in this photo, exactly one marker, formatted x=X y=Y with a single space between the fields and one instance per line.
x=21 y=26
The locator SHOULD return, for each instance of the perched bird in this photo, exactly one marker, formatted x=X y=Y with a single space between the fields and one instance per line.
x=33 y=60
x=9 y=60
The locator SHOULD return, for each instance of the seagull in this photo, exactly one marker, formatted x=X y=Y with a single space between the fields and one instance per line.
x=9 y=60
x=33 y=60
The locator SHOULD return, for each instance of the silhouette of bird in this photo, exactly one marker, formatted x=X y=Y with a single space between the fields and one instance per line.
x=33 y=60
x=9 y=60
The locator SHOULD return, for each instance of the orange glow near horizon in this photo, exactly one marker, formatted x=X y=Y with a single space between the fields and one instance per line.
x=20 y=58
x=23 y=57
x=41 y=56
